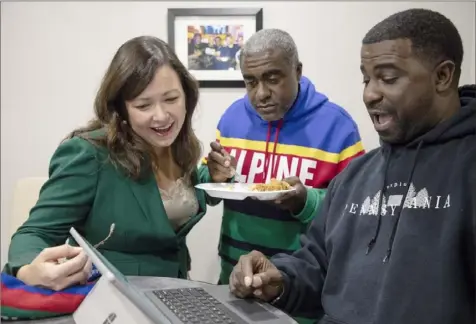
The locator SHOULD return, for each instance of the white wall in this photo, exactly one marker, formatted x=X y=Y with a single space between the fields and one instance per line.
x=54 y=54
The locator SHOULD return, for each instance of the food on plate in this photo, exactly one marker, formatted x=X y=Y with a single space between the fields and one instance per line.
x=273 y=185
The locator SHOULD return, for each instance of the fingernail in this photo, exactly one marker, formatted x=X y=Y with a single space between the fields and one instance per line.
x=227 y=163
x=257 y=282
x=248 y=281
x=258 y=292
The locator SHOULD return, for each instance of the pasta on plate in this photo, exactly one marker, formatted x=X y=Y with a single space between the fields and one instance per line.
x=273 y=185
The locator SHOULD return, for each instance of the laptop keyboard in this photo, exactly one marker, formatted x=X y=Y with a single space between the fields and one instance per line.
x=196 y=306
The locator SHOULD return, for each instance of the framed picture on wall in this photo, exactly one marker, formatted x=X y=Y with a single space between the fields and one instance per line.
x=209 y=41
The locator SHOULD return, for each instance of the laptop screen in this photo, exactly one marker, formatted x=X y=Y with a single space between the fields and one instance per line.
x=120 y=281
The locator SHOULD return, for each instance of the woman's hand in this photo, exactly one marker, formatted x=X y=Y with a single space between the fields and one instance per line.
x=46 y=271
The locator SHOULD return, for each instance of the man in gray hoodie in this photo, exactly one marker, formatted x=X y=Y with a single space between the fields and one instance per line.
x=395 y=240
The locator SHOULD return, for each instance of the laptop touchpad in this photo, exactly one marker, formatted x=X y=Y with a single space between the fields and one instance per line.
x=252 y=310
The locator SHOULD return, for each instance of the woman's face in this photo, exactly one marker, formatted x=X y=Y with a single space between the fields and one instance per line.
x=158 y=113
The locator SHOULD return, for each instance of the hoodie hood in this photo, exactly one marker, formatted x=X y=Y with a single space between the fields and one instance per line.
x=308 y=101
x=461 y=125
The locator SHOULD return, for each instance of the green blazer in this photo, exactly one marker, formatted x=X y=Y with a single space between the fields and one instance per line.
x=86 y=191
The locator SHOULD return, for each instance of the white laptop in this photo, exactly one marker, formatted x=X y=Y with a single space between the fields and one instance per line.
x=114 y=300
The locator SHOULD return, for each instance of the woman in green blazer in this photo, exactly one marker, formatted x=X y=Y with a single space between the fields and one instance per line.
x=126 y=181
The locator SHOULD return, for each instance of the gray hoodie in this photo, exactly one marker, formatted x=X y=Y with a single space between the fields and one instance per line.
x=414 y=261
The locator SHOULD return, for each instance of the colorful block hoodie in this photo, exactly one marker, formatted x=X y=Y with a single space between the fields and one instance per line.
x=315 y=141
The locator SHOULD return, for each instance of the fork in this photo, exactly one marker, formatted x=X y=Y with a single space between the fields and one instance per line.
x=233 y=173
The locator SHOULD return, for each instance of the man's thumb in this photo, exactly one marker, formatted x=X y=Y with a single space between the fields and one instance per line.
x=216 y=146
x=292 y=181
x=269 y=277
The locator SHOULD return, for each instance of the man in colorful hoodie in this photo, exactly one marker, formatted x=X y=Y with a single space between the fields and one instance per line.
x=283 y=129
x=395 y=239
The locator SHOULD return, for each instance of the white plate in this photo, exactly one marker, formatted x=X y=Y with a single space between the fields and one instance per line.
x=238 y=191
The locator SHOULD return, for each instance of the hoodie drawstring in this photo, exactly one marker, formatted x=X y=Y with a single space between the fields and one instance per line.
x=379 y=211
x=267 y=157
x=395 y=226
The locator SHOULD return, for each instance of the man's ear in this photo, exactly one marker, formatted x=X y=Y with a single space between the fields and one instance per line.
x=299 y=71
x=445 y=75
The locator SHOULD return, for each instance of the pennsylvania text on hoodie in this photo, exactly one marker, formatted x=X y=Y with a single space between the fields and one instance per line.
x=314 y=141
x=395 y=241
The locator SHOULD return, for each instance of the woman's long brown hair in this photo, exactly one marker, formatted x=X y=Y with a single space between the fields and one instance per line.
x=132 y=69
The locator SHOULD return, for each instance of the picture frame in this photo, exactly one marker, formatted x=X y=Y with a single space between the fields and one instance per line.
x=208 y=41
